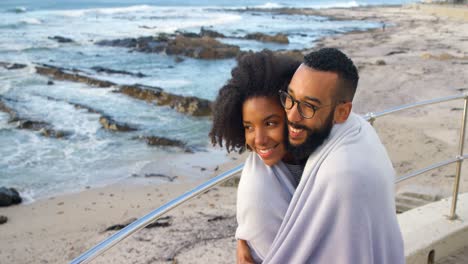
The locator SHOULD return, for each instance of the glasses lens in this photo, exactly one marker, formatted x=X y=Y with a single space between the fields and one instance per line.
x=306 y=110
x=286 y=100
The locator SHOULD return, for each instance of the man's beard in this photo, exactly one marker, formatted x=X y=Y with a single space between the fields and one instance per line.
x=315 y=138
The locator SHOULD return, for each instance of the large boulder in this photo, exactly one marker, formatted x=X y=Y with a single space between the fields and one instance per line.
x=201 y=48
x=9 y=196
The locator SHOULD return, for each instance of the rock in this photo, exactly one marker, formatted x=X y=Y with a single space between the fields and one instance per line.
x=188 y=34
x=183 y=43
x=201 y=48
x=395 y=52
x=9 y=196
x=278 y=38
x=8 y=110
x=32 y=125
x=61 y=39
x=294 y=54
x=61 y=74
x=159 y=175
x=111 y=71
x=161 y=222
x=189 y=105
x=44 y=128
x=49 y=82
x=120 y=226
x=54 y=133
x=12 y=66
x=210 y=33
x=110 y=124
x=380 y=62
x=161 y=141
x=126 y=42
x=3 y=219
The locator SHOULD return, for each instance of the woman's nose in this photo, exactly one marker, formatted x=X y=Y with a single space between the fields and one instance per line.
x=260 y=137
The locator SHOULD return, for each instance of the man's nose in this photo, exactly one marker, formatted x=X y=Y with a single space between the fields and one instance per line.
x=293 y=114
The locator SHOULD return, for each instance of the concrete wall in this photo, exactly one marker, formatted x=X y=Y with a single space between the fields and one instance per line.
x=427 y=229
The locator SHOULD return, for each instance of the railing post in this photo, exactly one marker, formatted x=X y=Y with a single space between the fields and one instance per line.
x=456 y=184
x=371 y=118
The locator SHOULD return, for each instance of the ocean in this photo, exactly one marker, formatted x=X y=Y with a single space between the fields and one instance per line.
x=90 y=156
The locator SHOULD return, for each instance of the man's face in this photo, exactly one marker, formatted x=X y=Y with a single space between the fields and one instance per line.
x=316 y=88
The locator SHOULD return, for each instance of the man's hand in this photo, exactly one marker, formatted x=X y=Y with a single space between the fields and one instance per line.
x=243 y=253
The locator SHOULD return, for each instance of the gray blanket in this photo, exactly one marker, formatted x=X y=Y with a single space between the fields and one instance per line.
x=343 y=210
x=263 y=197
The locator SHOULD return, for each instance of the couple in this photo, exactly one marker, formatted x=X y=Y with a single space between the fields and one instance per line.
x=318 y=185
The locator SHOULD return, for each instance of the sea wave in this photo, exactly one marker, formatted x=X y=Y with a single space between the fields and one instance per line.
x=269 y=5
x=30 y=21
x=316 y=5
x=348 y=4
x=107 y=11
x=18 y=9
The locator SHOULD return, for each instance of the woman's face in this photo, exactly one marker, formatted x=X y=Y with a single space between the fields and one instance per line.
x=264 y=123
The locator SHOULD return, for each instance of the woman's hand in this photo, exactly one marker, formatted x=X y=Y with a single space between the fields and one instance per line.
x=243 y=253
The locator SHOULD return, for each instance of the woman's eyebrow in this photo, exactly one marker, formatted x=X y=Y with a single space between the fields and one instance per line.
x=271 y=116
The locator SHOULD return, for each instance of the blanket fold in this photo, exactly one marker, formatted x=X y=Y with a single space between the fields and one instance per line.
x=263 y=197
x=343 y=210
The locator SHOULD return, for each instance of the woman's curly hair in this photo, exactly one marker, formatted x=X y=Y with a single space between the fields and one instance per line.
x=259 y=74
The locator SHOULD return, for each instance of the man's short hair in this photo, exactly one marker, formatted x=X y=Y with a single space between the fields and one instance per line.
x=333 y=60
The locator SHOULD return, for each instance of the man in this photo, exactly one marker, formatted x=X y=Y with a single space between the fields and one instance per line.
x=343 y=210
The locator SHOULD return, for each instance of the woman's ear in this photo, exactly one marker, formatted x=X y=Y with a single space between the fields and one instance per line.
x=342 y=112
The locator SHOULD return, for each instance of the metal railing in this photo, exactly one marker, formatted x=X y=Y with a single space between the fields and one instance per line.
x=370 y=117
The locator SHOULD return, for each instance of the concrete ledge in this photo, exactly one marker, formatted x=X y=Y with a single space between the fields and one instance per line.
x=427 y=229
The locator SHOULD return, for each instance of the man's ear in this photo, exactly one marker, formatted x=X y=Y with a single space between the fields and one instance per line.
x=342 y=112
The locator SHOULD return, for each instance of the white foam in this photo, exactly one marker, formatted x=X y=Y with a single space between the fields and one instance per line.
x=31 y=21
x=269 y=5
x=106 y=11
x=171 y=83
x=336 y=4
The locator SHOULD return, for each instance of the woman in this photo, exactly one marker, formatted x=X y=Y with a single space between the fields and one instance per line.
x=248 y=115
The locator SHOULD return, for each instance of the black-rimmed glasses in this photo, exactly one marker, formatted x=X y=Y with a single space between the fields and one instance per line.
x=305 y=109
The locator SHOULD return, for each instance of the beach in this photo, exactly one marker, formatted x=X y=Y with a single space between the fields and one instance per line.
x=414 y=56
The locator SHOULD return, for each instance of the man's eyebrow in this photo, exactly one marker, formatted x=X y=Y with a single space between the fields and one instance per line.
x=313 y=99
x=308 y=98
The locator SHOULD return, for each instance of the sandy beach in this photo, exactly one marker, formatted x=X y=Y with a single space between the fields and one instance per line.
x=416 y=56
